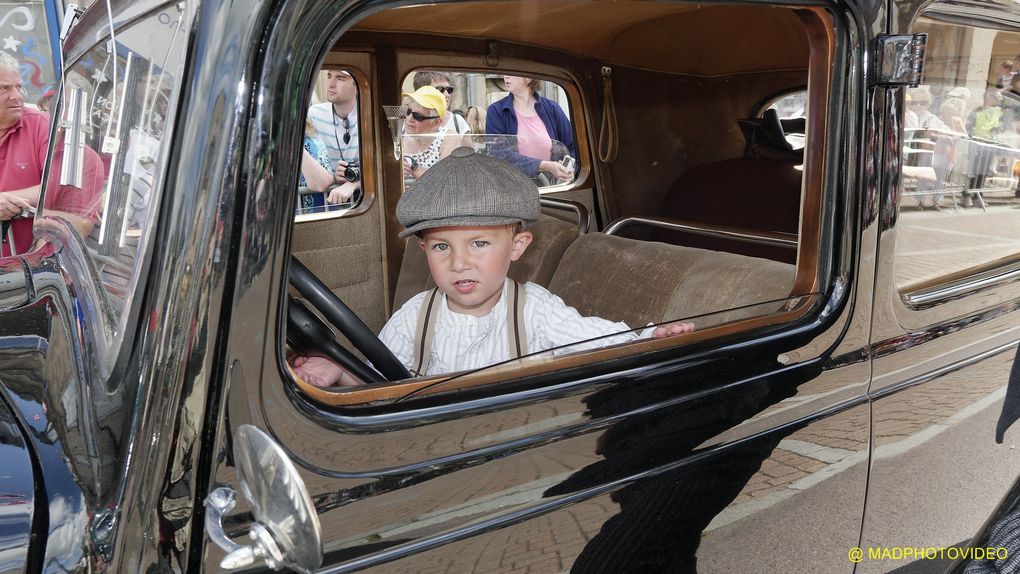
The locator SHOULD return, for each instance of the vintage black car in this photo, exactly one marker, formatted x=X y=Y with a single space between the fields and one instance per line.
x=826 y=189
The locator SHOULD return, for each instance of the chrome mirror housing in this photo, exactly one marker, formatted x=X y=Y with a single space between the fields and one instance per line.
x=285 y=532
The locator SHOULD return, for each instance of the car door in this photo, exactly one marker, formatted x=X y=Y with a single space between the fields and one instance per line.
x=711 y=454
x=945 y=325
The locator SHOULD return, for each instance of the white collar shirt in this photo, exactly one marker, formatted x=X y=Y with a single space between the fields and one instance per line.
x=463 y=342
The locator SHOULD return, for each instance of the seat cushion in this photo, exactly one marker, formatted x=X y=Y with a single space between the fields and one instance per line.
x=638 y=282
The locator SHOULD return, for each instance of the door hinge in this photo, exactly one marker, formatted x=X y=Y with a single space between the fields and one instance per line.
x=900 y=59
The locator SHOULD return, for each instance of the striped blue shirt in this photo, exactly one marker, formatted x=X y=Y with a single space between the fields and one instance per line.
x=330 y=130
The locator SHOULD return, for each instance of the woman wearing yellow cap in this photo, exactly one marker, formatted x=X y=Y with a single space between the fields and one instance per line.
x=426 y=139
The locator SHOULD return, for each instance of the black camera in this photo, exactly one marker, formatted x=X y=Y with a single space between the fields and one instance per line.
x=353 y=171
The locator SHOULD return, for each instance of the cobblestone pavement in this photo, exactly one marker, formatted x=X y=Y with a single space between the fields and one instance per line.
x=932 y=243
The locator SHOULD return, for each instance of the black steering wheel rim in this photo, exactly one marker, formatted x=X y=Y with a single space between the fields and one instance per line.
x=346 y=321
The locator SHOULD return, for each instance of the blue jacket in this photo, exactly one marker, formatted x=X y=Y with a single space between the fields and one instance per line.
x=501 y=119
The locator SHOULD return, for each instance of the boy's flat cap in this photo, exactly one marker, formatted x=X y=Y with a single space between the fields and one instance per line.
x=468 y=189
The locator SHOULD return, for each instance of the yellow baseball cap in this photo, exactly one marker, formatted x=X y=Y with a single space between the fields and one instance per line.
x=430 y=98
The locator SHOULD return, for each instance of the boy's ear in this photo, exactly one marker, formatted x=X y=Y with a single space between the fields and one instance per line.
x=421 y=243
x=521 y=242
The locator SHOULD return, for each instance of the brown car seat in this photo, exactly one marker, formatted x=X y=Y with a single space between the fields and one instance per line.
x=760 y=191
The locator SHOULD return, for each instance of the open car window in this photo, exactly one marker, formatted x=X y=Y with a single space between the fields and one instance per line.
x=699 y=215
x=330 y=183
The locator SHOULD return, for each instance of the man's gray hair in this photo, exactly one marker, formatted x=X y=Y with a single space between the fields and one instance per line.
x=8 y=63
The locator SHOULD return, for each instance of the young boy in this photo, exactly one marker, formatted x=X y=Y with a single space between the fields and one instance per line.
x=471 y=213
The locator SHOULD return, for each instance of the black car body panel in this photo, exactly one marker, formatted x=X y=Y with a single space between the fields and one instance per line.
x=863 y=420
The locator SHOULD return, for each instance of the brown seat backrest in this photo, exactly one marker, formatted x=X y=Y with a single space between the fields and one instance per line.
x=345 y=254
x=552 y=237
x=638 y=282
x=747 y=193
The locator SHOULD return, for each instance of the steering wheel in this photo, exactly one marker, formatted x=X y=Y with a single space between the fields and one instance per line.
x=340 y=315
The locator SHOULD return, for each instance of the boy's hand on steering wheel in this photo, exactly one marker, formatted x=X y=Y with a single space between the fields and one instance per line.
x=321 y=372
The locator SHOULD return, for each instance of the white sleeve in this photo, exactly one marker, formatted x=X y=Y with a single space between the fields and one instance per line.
x=398 y=333
x=552 y=323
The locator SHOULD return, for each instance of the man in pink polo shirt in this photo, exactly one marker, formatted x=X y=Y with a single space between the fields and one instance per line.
x=24 y=134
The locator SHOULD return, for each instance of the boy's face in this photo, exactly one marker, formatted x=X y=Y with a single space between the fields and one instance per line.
x=469 y=264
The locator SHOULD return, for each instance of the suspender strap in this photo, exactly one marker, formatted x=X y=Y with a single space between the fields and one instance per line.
x=516 y=334
x=425 y=330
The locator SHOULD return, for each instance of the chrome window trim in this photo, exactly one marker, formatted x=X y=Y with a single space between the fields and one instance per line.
x=784 y=240
x=943 y=370
x=583 y=215
x=963 y=286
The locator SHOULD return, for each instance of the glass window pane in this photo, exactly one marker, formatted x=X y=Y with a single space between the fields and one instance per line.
x=107 y=191
x=477 y=109
x=958 y=209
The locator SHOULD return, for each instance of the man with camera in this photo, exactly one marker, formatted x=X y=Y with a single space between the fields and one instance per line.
x=336 y=124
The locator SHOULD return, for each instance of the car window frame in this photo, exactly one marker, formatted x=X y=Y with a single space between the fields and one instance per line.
x=810 y=274
x=369 y=177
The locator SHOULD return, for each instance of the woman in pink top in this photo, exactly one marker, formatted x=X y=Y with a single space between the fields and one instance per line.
x=537 y=122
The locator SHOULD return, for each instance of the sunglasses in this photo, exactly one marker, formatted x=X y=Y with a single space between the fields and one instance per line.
x=418 y=117
x=447 y=89
x=347 y=130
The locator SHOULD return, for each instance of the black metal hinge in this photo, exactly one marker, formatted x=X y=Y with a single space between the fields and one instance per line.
x=900 y=59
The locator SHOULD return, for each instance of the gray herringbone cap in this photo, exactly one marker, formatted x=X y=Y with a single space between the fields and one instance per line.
x=468 y=189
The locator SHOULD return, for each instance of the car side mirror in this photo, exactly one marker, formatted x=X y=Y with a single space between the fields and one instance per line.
x=285 y=532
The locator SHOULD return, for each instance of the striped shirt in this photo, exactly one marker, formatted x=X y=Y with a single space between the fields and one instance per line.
x=330 y=131
x=465 y=342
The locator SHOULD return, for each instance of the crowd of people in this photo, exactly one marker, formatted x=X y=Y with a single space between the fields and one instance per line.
x=952 y=109
x=963 y=132
x=524 y=128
